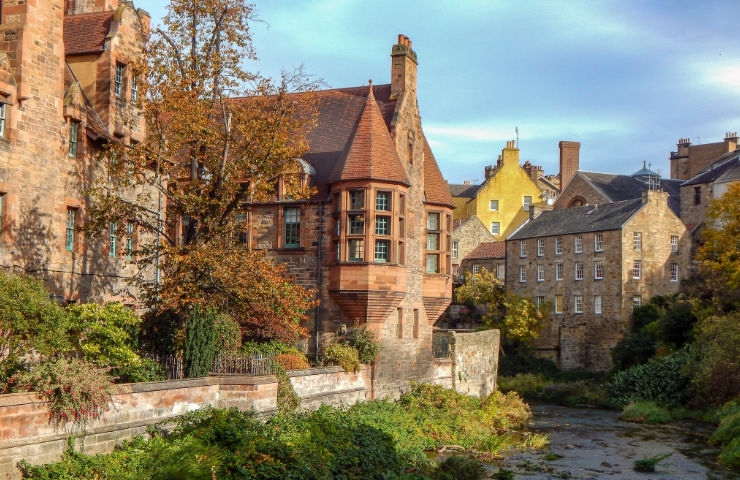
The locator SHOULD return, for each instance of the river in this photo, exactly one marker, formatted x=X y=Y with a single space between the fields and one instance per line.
x=595 y=444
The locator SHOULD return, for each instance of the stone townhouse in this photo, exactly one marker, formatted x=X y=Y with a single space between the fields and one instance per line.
x=375 y=238
x=64 y=93
x=690 y=160
x=466 y=236
x=590 y=266
x=487 y=255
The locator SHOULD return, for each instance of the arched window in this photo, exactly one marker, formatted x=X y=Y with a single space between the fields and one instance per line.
x=577 y=202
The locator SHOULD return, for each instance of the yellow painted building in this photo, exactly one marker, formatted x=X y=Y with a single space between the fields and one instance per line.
x=502 y=201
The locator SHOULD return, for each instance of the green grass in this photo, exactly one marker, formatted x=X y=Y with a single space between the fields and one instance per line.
x=569 y=389
x=645 y=412
x=727 y=434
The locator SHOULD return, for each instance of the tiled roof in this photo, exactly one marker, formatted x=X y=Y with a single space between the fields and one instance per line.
x=371 y=153
x=590 y=218
x=86 y=33
x=467 y=191
x=488 y=250
x=435 y=187
x=624 y=187
x=726 y=168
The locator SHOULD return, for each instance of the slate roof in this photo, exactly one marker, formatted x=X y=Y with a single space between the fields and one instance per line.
x=460 y=190
x=725 y=169
x=488 y=250
x=624 y=187
x=86 y=33
x=589 y=218
x=370 y=153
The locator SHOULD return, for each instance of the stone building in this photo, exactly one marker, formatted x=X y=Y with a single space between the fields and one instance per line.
x=64 y=93
x=487 y=255
x=689 y=160
x=466 y=236
x=375 y=238
x=592 y=264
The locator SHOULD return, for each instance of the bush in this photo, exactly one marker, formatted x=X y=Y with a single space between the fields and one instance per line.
x=161 y=332
x=459 y=468
x=519 y=358
x=228 y=334
x=727 y=434
x=291 y=361
x=77 y=391
x=661 y=379
x=341 y=354
x=633 y=349
x=106 y=334
x=145 y=370
x=364 y=342
x=270 y=348
x=645 y=412
x=677 y=323
x=716 y=378
x=200 y=346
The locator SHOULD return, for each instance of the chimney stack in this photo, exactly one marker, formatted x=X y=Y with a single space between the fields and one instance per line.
x=403 y=67
x=569 y=159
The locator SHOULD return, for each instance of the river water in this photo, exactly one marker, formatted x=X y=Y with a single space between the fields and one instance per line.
x=595 y=444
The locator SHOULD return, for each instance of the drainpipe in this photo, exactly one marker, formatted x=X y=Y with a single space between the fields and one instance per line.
x=319 y=276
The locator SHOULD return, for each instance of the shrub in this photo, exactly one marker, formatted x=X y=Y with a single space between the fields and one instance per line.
x=364 y=342
x=341 y=354
x=161 y=332
x=645 y=412
x=727 y=434
x=661 y=379
x=200 y=346
x=291 y=361
x=519 y=358
x=145 y=370
x=633 y=349
x=77 y=391
x=528 y=385
x=270 y=348
x=106 y=333
x=677 y=323
x=228 y=334
x=648 y=464
x=716 y=378
x=459 y=468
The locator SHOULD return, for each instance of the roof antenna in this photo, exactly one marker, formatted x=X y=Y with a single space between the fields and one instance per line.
x=517 y=136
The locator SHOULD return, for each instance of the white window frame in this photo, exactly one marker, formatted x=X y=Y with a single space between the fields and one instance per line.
x=500 y=271
x=540 y=273
x=674 y=243
x=476 y=269
x=598 y=242
x=674 y=272
x=495 y=228
x=637 y=241
x=118 y=80
x=493 y=205
x=539 y=301
x=523 y=249
x=578 y=244
x=522 y=274
x=636 y=301
x=525 y=203
x=598 y=270
x=558 y=245
x=636 y=269
x=558 y=306
x=540 y=247
x=578 y=272
x=597 y=304
x=3 y=118
x=577 y=304
x=559 y=271
x=455 y=248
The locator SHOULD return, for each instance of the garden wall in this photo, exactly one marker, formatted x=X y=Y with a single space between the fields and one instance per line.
x=331 y=386
x=472 y=366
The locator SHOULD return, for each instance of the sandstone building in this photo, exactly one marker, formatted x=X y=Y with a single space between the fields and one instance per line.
x=592 y=265
x=375 y=239
x=466 y=236
x=689 y=160
x=487 y=255
x=64 y=93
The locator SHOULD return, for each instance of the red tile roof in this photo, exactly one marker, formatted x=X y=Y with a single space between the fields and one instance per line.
x=435 y=188
x=86 y=33
x=488 y=250
x=371 y=152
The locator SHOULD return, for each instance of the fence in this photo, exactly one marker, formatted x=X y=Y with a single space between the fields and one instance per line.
x=223 y=364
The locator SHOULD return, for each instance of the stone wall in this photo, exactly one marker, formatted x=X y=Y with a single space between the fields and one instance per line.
x=468 y=236
x=331 y=386
x=475 y=359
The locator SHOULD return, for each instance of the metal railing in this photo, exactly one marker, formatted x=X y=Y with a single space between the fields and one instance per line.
x=223 y=364
x=441 y=345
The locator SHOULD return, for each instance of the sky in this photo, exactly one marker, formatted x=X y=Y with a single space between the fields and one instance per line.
x=624 y=78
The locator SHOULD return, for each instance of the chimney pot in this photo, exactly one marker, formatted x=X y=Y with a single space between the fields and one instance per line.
x=400 y=38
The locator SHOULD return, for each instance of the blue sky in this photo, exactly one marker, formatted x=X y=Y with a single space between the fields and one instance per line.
x=625 y=78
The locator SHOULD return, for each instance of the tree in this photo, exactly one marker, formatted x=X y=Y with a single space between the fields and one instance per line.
x=719 y=256
x=517 y=317
x=219 y=138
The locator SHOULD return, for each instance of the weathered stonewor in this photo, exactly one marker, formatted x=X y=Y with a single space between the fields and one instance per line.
x=472 y=368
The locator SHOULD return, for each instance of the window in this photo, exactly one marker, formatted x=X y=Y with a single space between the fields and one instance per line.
x=118 y=80
x=382 y=225
x=432 y=263
x=597 y=304
x=636 y=301
x=522 y=249
x=522 y=274
x=399 y=323
x=495 y=228
x=598 y=242
x=339 y=227
x=697 y=195
x=337 y=251
x=540 y=273
x=636 y=269
x=500 y=271
x=637 y=241
x=337 y=202
x=401 y=253
x=493 y=205
x=416 y=323
x=134 y=90
x=539 y=301
x=540 y=247
x=455 y=248
x=476 y=269
x=578 y=304
x=129 y=240
x=558 y=245
x=559 y=271
x=579 y=244
x=357 y=224
x=674 y=243
x=579 y=271
x=558 y=304
x=598 y=270
x=356 y=199
x=432 y=221
x=674 y=272
x=356 y=250
x=527 y=201
x=113 y=229
x=73 y=128
x=69 y=240
x=432 y=241
x=2 y=119
x=292 y=227
x=2 y=197
x=382 y=250
x=241 y=219
x=383 y=201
